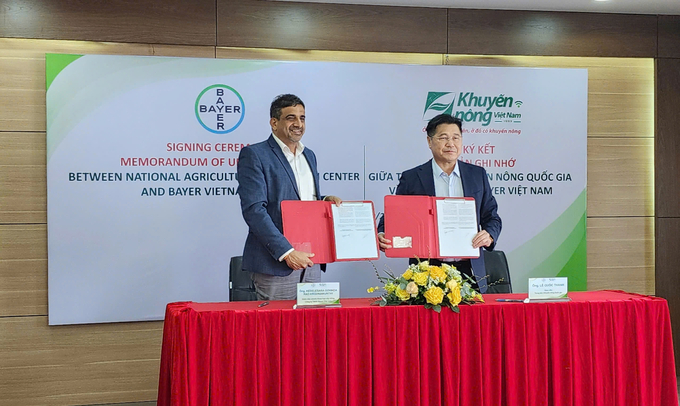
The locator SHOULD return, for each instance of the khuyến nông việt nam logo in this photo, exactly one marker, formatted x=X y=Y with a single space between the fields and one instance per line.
x=438 y=103
x=473 y=107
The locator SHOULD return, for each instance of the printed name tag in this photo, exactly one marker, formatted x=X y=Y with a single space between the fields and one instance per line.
x=318 y=294
x=547 y=288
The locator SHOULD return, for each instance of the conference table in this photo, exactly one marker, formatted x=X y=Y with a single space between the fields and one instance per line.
x=600 y=348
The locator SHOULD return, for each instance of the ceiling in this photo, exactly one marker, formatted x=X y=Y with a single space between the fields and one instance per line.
x=592 y=6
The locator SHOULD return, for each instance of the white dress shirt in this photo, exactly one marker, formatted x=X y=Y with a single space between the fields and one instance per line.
x=304 y=178
x=303 y=173
x=447 y=185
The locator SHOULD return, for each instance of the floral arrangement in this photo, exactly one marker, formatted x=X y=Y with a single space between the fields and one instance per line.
x=429 y=285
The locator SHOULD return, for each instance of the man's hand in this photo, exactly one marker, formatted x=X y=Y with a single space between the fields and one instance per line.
x=384 y=242
x=482 y=239
x=333 y=199
x=299 y=260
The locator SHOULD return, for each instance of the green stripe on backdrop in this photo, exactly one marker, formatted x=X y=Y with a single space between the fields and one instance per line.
x=576 y=268
x=97 y=79
x=55 y=63
x=558 y=250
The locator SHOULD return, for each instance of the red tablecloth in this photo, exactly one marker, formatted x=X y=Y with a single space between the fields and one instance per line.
x=603 y=348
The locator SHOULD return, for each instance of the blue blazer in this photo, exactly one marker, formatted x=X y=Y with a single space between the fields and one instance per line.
x=420 y=181
x=265 y=178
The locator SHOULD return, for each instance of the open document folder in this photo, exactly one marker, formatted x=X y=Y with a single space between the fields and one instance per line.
x=333 y=233
x=430 y=227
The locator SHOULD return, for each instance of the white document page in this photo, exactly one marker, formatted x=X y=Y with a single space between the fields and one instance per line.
x=354 y=229
x=457 y=224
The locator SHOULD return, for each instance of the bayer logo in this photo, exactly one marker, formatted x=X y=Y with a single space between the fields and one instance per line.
x=220 y=109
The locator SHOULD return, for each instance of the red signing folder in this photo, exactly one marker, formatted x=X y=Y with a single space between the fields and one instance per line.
x=411 y=223
x=309 y=227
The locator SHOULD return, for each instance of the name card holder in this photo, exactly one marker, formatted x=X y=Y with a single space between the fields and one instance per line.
x=548 y=290
x=313 y=295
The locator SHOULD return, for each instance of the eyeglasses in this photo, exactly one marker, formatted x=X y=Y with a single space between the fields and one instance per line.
x=444 y=139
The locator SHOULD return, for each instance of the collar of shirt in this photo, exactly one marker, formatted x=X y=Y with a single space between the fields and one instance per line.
x=439 y=172
x=287 y=151
x=304 y=178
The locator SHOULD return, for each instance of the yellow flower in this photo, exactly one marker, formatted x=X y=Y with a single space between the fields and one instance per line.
x=402 y=294
x=434 y=295
x=454 y=295
x=390 y=288
x=437 y=273
x=452 y=284
x=420 y=278
x=408 y=274
x=372 y=289
x=412 y=289
x=423 y=266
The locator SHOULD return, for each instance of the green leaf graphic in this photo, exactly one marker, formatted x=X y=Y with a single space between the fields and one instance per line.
x=439 y=106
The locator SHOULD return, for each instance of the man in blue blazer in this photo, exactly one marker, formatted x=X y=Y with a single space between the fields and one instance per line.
x=280 y=168
x=444 y=175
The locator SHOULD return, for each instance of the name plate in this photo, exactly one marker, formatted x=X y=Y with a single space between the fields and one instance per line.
x=548 y=288
x=325 y=294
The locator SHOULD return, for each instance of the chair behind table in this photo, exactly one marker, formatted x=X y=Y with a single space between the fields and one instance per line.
x=498 y=272
x=241 y=288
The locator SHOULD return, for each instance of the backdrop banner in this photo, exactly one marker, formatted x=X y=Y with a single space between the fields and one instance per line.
x=142 y=207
